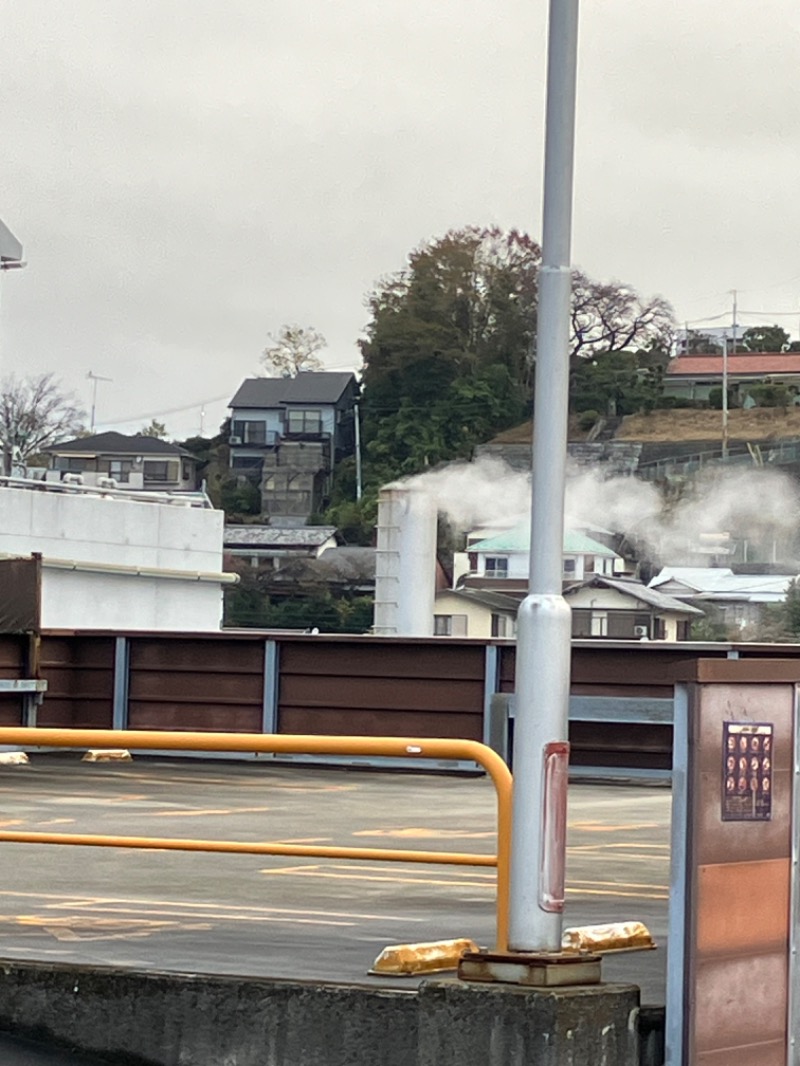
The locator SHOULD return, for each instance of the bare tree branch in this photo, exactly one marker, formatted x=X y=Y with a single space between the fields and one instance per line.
x=613 y=317
x=35 y=413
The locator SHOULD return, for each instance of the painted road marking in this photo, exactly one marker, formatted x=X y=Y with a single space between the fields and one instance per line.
x=188 y=813
x=478 y=880
x=62 y=900
x=83 y=927
x=425 y=834
x=230 y=782
x=599 y=827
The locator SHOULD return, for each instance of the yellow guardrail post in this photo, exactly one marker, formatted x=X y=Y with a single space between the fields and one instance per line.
x=287 y=744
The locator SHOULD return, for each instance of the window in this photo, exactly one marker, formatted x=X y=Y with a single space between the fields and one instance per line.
x=499 y=625
x=303 y=421
x=119 y=469
x=496 y=566
x=246 y=462
x=73 y=466
x=250 y=432
x=569 y=568
x=599 y=624
x=589 y=564
x=442 y=625
x=160 y=471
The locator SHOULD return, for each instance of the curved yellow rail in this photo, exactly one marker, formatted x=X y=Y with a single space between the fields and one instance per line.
x=287 y=744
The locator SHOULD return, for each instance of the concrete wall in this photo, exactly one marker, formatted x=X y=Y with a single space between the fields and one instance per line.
x=120 y=532
x=196 y=1020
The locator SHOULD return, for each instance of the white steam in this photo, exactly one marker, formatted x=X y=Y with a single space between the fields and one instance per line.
x=757 y=505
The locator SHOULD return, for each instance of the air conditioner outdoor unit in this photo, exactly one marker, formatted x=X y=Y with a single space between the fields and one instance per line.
x=234 y=440
x=640 y=631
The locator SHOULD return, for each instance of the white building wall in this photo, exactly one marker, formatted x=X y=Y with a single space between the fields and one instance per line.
x=119 y=532
x=80 y=600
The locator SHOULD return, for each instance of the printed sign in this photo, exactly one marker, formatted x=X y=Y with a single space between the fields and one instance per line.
x=747 y=759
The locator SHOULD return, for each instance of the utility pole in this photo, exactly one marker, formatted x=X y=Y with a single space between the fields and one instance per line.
x=735 y=294
x=357 y=426
x=725 y=396
x=94 y=378
x=544 y=632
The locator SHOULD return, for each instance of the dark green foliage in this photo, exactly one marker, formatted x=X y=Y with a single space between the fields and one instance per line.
x=615 y=383
x=709 y=629
x=247 y=607
x=240 y=497
x=765 y=339
x=715 y=398
x=791 y=608
x=588 y=418
x=769 y=395
x=447 y=354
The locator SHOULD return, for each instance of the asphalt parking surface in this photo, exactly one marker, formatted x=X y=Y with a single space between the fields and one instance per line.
x=309 y=918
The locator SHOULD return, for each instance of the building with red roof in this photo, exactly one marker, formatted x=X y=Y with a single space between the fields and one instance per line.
x=694 y=376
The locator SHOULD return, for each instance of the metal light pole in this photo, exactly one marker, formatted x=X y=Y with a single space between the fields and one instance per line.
x=544 y=625
x=725 y=396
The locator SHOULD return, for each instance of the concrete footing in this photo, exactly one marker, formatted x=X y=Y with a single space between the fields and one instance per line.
x=167 y=1019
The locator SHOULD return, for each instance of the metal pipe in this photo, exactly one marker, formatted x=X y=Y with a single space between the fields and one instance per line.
x=289 y=744
x=244 y=847
x=122 y=570
x=544 y=624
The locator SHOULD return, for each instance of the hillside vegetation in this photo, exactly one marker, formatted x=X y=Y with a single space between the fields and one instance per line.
x=757 y=424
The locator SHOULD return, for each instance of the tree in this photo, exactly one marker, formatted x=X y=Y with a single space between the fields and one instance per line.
x=292 y=349
x=34 y=414
x=615 y=383
x=447 y=356
x=450 y=348
x=765 y=339
x=613 y=317
x=155 y=429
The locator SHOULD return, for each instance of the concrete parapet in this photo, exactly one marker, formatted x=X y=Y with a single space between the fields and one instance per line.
x=167 y=1019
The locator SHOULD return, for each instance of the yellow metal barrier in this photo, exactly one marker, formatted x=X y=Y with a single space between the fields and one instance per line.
x=287 y=744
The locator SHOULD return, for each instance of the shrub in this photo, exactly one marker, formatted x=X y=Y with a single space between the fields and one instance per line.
x=586 y=419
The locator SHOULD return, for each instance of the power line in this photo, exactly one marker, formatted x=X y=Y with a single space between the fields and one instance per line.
x=170 y=411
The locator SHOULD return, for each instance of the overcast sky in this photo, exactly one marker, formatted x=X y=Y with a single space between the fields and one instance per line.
x=188 y=175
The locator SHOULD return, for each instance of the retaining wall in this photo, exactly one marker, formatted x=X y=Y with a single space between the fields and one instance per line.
x=160 y=1019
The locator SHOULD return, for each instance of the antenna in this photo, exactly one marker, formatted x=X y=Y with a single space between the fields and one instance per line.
x=94 y=378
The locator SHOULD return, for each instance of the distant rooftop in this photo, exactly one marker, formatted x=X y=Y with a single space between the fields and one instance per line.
x=628 y=587
x=721 y=583
x=112 y=443
x=277 y=536
x=757 y=364
x=518 y=539
x=312 y=387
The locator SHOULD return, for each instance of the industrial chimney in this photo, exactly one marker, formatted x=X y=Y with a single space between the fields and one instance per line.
x=405 y=570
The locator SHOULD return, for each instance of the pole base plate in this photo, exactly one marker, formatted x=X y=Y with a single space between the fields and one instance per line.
x=535 y=970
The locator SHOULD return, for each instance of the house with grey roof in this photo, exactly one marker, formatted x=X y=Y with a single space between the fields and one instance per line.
x=730 y=594
x=118 y=460
x=287 y=435
x=625 y=609
x=276 y=545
